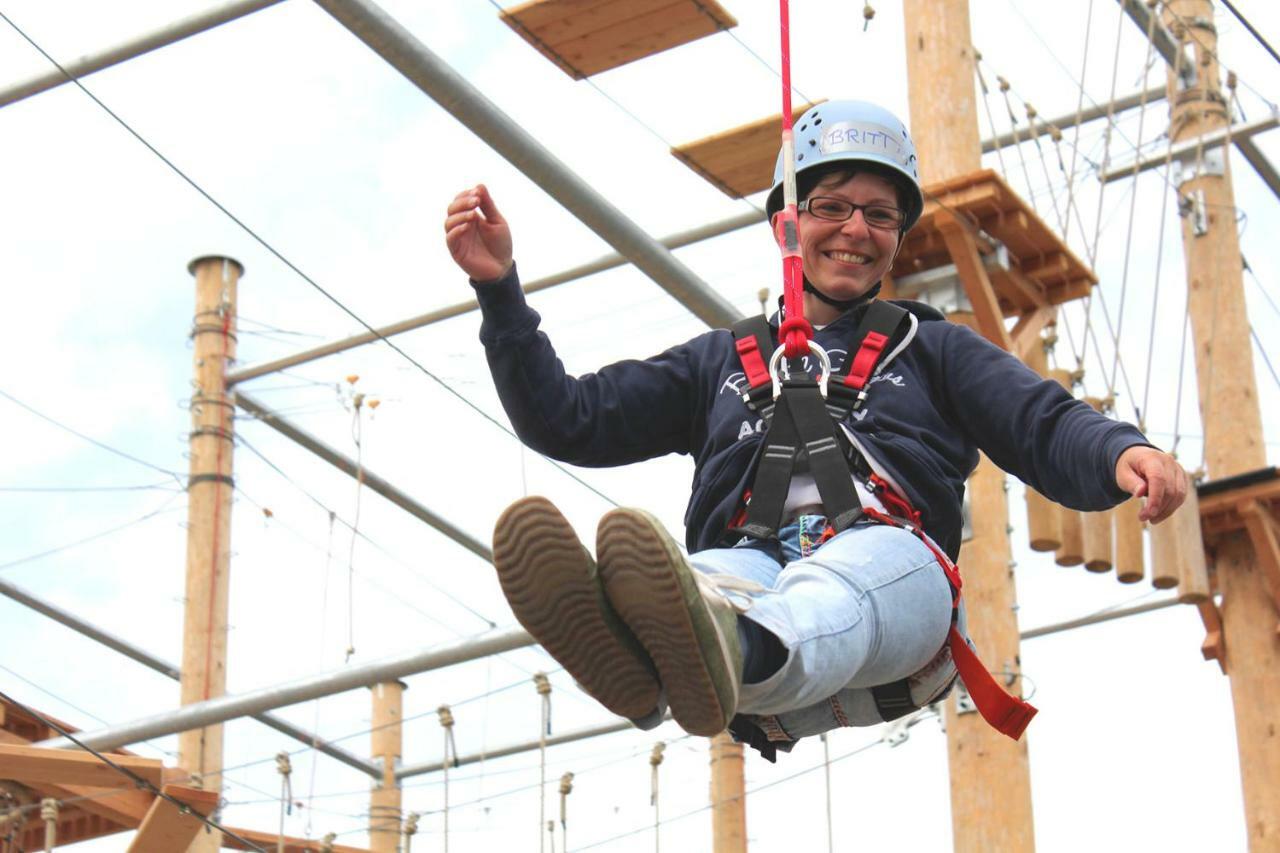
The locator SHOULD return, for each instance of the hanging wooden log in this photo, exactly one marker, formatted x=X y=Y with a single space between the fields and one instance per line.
x=1042 y=514
x=1097 y=526
x=1070 y=551
x=1177 y=553
x=1193 y=572
x=1127 y=541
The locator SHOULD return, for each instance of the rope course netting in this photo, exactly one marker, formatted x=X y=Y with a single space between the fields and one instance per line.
x=329 y=574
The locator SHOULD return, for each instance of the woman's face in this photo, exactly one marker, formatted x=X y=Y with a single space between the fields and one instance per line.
x=845 y=259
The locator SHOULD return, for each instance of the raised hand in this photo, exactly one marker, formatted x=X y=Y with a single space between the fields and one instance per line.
x=1147 y=472
x=478 y=238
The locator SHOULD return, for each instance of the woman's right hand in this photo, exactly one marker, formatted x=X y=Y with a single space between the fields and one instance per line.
x=478 y=238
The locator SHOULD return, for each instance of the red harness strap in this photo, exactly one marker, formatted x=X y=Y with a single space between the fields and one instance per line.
x=1005 y=713
x=865 y=360
x=752 y=359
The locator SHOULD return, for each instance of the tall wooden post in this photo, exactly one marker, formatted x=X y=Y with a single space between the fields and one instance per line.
x=204 y=642
x=990 y=774
x=1230 y=411
x=385 y=746
x=728 y=796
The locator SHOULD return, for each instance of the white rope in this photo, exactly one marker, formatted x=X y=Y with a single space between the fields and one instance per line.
x=543 y=685
x=566 y=788
x=357 y=402
x=826 y=770
x=324 y=623
x=655 y=760
x=986 y=103
x=450 y=756
x=49 y=814
x=284 y=767
x=410 y=830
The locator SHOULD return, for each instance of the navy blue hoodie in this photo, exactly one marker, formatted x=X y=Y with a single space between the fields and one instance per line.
x=941 y=396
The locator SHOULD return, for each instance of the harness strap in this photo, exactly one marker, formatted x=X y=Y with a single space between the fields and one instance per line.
x=1004 y=712
x=753 y=339
x=848 y=387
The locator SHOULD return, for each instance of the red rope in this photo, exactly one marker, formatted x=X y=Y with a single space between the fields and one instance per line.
x=795 y=332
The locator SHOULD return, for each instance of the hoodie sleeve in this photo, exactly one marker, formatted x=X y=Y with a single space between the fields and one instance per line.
x=625 y=412
x=1031 y=427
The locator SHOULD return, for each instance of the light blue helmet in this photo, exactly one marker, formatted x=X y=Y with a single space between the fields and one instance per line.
x=853 y=133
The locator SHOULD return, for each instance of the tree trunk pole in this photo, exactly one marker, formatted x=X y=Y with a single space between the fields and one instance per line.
x=1230 y=411
x=204 y=642
x=385 y=746
x=990 y=774
x=728 y=796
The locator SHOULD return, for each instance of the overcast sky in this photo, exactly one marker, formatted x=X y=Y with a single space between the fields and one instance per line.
x=332 y=158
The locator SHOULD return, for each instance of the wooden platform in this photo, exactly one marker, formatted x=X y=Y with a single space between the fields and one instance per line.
x=98 y=801
x=586 y=37
x=1044 y=271
x=740 y=161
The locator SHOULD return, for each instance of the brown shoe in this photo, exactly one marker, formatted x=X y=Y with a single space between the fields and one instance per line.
x=684 y=622
x=552 y=585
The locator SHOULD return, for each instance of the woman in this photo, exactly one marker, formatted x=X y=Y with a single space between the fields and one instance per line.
x=812 y=627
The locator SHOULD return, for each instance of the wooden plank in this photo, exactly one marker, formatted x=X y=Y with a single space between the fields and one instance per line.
x=1219 y=513
x=964 y=254
x=36 y=765
x=269 y=841
x=1130 y=567
x=586 y=38
x=165 y=828
x=738 y=161
x=555 y=21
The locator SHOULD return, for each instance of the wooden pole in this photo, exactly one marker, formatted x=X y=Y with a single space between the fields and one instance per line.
x=1128 y=541
x=728 y=796
x=990 y=774
x=385 y=747
x=1230 y=412
x=209 y=491
x=1096 y=526
x=1070 y=551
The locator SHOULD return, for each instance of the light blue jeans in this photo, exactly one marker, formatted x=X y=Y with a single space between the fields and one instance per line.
x=868 y=607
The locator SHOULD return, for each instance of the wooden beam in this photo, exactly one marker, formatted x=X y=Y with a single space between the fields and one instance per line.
x=1026 y=332
x=1213 y=647
x=34 y=765
x=165 y=828
x=1261 y=525
x=986 y=309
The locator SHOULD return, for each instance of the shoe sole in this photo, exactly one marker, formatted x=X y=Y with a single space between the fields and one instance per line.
x=640 y=567
x=550 y=582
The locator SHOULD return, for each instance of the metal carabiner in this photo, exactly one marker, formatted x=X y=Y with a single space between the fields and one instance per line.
x=824 y=365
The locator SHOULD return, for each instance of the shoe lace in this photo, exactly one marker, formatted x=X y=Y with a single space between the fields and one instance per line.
x=731 y=589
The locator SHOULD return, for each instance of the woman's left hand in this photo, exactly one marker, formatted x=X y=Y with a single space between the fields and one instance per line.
x=1157 y=476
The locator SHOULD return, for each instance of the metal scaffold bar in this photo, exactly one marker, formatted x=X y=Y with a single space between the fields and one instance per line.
x=230 y=707
x=1187 y=149
x=604 y=262
x=390 y=40
x=167 y=669
x=135 y=47
x=516 y=748
x=1068 y=121
x=370 y=479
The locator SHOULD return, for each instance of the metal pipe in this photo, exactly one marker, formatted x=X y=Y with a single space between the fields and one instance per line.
x=167 y=669
x=1105 y=616
x=230 y=707
x=1259 y=162
x=1128 y=102
x=1188 y=148
x=600 y=264
x=370 y=479
x=386 y=37
x=515 y=749
x=1161 y=38
x=135 y=47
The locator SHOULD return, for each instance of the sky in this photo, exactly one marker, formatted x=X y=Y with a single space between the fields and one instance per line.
x=326 y=154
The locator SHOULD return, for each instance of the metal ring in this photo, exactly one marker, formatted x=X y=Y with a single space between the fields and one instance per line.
x=824 y=363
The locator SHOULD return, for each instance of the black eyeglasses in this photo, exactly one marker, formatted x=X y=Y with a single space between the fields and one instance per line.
x=838 y=210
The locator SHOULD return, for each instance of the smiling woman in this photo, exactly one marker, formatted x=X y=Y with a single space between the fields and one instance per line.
x=819 y=589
